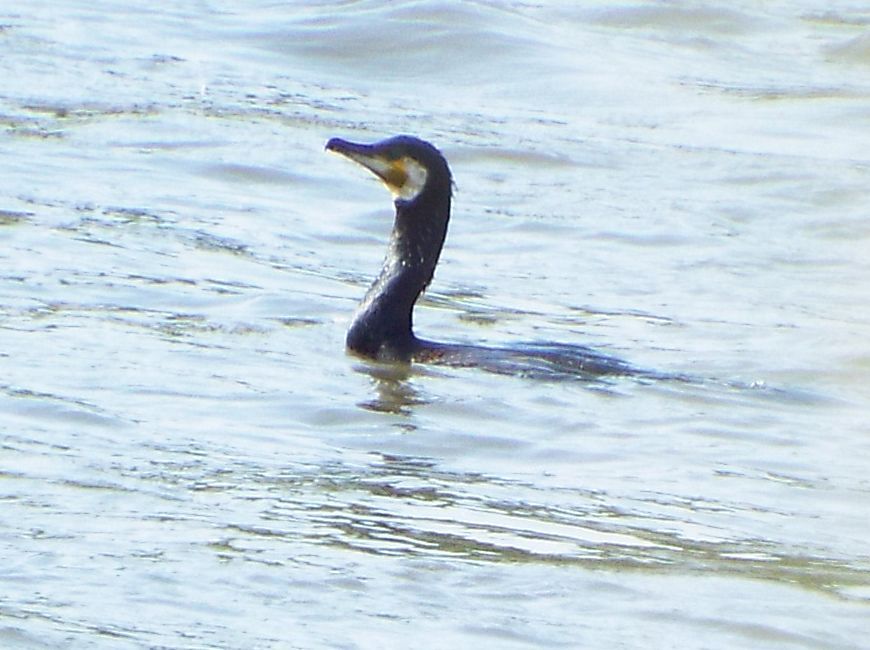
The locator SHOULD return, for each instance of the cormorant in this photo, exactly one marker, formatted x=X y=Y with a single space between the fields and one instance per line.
x=419 y=178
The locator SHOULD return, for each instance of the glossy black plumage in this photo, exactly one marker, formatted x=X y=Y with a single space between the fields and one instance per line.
x=382 y=328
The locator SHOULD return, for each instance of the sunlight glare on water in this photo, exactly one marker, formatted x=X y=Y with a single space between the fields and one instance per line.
x=191 y=460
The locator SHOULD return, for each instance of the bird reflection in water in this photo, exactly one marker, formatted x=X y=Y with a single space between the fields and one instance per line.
x=394 y=390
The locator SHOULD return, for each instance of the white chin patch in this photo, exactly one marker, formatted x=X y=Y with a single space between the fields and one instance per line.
x=405 y=178
x=415 y=180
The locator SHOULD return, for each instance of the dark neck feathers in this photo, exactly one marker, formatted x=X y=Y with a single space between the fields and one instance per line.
x=382 y=327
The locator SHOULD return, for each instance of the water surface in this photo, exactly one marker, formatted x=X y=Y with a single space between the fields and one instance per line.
x=190 y=460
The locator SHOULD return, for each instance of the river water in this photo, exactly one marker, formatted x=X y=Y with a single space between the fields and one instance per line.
x=189 y=458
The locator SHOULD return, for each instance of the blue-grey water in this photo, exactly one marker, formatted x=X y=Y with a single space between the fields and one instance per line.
x=189 y=458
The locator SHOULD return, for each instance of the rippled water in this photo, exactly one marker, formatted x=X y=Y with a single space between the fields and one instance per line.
x=190 y=460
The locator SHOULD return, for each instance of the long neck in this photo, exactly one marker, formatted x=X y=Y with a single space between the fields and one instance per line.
x=382 y=327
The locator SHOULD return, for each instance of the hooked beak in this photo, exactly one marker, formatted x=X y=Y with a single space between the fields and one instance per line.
x=391 y=172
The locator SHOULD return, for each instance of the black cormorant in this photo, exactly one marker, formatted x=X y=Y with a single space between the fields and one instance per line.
x=417 y=175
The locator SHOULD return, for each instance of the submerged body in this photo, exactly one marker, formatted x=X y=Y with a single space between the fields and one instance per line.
x=419 y=178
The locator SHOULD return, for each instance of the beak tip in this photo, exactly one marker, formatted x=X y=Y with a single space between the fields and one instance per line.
x=336 y=144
